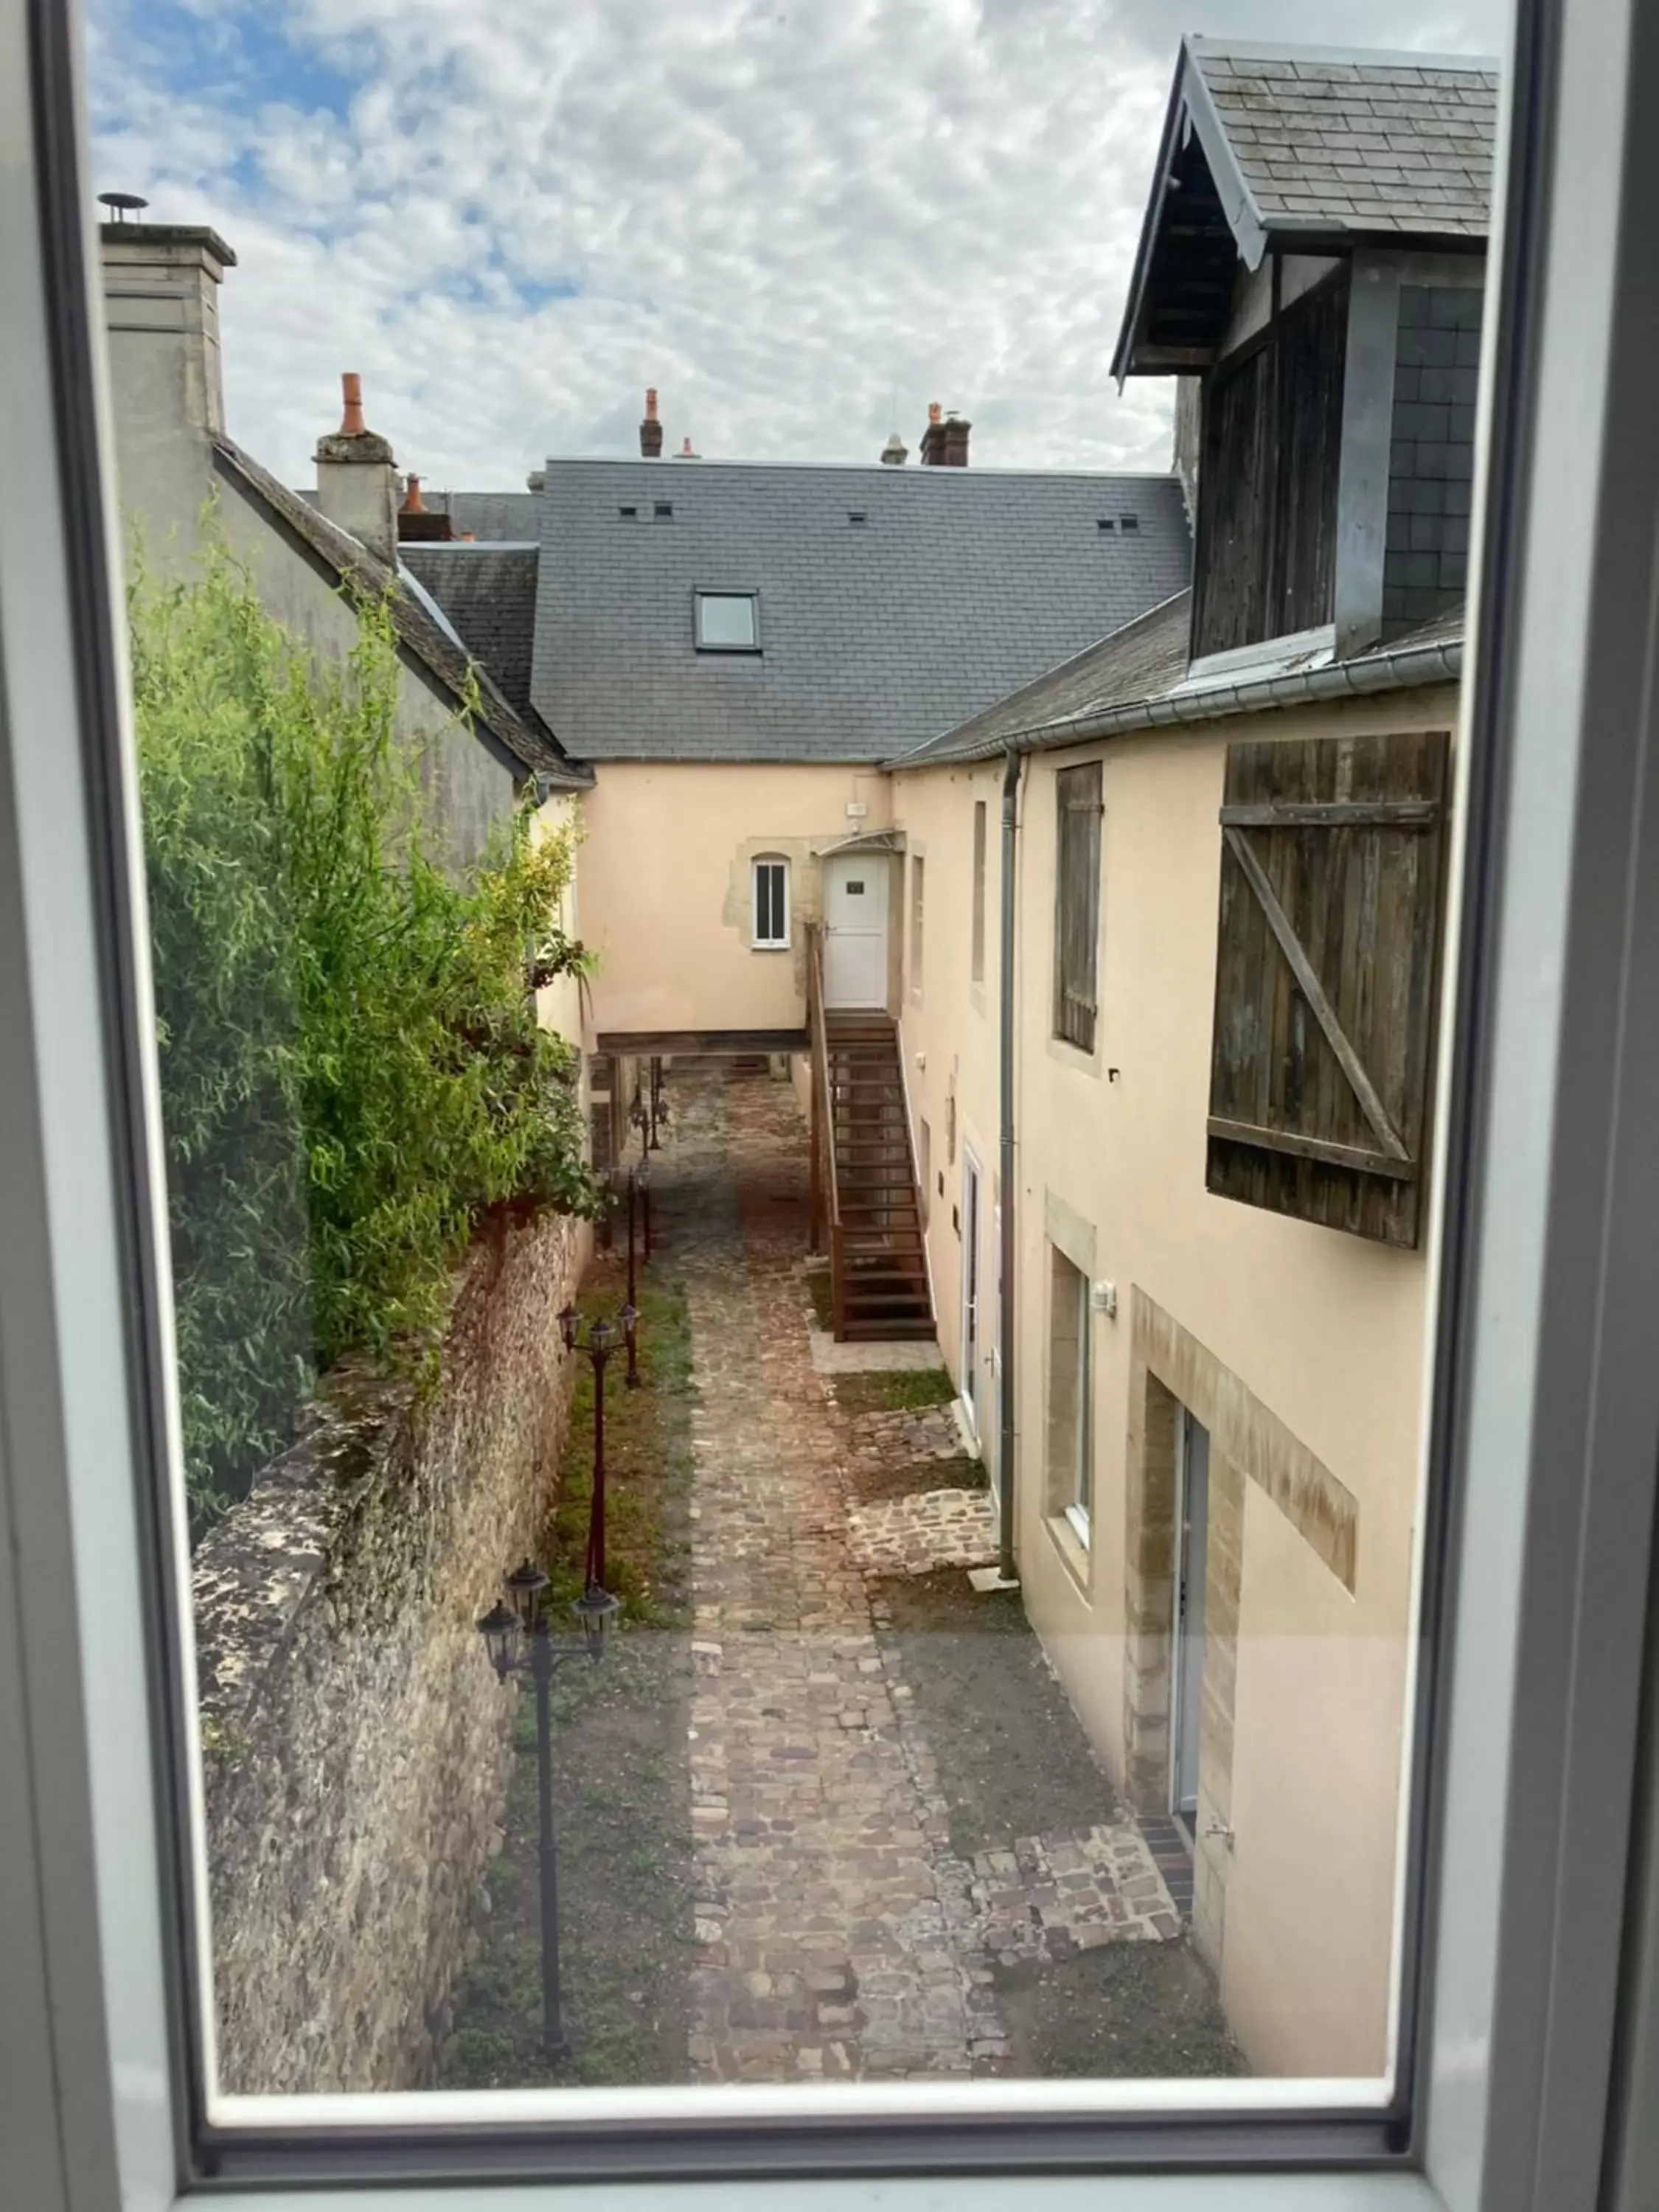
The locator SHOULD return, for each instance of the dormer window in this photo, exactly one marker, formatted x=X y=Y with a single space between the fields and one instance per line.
x=1267 y=480
x=727 y=621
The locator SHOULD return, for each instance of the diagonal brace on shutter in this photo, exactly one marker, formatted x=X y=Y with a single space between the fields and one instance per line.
x=1313 y=991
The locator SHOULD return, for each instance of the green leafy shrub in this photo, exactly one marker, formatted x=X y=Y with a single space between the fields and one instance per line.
x=352 y=1072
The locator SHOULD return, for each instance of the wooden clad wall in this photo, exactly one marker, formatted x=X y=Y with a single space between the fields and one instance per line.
x=1267 y=485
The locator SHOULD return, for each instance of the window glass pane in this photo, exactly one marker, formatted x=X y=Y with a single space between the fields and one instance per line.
x=726 y=621
x=936 y=1615
x=771 y=891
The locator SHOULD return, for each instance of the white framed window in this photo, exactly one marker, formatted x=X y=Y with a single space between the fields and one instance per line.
x=1532 y=1927
x=1071 y=1384
x=727 y=621
x=768 y=905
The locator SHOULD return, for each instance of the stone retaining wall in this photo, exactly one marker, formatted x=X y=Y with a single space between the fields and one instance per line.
x=354 y=1740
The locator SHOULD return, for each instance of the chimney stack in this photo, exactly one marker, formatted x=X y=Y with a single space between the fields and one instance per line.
x=357 y=479
x=651 y=429
x=685 y=452
x=945 y=441
x=418 y=524
x=161 y=323
x=895 y=452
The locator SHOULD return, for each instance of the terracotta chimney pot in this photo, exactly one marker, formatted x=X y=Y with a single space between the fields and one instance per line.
x=352 y=424
x=651 y=429
x=413 y=502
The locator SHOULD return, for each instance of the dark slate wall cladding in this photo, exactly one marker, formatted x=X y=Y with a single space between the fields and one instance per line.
x=1432 y=462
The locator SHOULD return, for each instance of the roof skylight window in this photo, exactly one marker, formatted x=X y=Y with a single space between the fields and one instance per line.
x=727 y=621
x=664 y=510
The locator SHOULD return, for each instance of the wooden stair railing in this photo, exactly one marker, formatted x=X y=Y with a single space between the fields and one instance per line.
x=864 y=1202
x=825 y=1191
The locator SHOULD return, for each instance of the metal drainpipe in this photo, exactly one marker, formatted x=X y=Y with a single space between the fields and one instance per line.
x=1015 y=762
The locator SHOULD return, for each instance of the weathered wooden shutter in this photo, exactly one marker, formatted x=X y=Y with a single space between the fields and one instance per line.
x=1077 y=903
x=1326 y=958
x=1233 y=571
x=1313 y=349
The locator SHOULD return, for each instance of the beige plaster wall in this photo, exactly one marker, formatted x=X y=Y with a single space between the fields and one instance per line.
x=559 y=1004
x=1322 y=1330
x=665 y=895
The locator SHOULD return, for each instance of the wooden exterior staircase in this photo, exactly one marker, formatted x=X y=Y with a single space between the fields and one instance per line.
x=864 y=1201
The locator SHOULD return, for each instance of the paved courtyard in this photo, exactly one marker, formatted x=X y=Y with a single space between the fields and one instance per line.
x=837 y=1934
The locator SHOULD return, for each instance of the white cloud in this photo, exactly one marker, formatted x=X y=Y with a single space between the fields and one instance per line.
x=802 y=219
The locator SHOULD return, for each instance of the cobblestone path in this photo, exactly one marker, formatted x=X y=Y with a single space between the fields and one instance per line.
x=837 y=1935
x=834 y=1927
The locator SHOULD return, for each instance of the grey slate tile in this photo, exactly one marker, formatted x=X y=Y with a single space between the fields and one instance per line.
x=962 y=584
x=1403 y=120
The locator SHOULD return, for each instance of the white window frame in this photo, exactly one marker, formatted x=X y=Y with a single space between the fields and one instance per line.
x=756 y=942
x=705 y=644
x=1539 y=1987
x=1072 y=1486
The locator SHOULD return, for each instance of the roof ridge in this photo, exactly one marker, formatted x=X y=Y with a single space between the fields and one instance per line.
x=353 y=562
x=1288 y=49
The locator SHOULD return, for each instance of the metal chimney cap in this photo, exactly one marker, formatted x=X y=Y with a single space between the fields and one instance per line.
x=122 y=206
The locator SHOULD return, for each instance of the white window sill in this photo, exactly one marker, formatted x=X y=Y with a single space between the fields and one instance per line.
x=1073 y=1549
x=1073 y=1055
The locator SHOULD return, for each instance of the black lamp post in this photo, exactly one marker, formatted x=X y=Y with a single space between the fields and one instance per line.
x=519 y=1638
x=659 y=1107
x=642 y=1175
x=602 y=1339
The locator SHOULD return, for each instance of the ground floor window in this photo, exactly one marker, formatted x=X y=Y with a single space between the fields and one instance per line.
x=770 y=904
x=1070 y=1471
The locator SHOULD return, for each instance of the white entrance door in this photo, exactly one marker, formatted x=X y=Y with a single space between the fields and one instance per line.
x=1192 y=1527
x=970 y=1290
x=855 y=929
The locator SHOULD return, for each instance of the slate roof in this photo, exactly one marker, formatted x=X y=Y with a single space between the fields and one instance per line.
x=492 y=516
x=489 y=593
x=495 y=517
x=1137 y=679
x=1352 y=142
x=958 y=585
x=1270 y=146
x=515 y=735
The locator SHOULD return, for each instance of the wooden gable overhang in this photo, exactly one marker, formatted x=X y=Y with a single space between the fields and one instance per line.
x=1200 y=223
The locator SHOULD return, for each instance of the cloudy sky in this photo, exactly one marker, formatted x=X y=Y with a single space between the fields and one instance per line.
x=801 y=219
